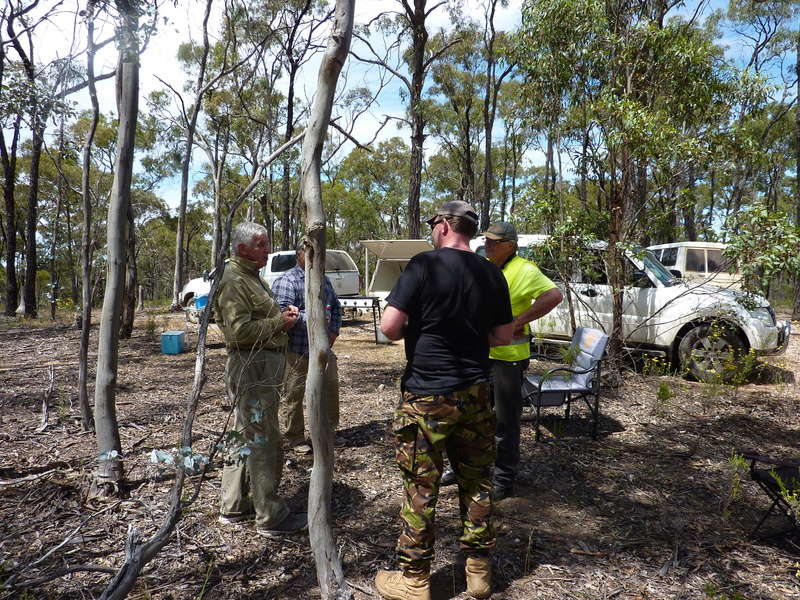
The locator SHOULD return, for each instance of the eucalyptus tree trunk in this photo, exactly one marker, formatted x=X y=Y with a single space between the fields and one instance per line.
x=796 y=311
x=73 y=273
x=186 y=159
x=54 y=240
x=9 y=156
x=32 y=214
x=419 y=37
x=620 y=171
x=129 y=293
x=329 y=567
x=110 y=469
x=491 y=91
x=9 y=161
x=86 y=241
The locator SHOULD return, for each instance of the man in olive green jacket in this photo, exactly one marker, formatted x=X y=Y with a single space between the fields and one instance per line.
x=255 y=337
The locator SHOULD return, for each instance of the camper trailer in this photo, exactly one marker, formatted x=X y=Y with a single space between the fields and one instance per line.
x=392 y=257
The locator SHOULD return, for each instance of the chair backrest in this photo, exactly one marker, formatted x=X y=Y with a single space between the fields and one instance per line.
x=587 y=347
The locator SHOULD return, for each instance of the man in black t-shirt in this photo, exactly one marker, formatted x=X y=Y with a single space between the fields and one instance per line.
x=451 y=306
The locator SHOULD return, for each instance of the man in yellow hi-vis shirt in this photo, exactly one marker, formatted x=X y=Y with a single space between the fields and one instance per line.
x=533 y=295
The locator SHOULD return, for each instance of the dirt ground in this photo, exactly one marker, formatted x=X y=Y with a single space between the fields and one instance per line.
x=654 y=509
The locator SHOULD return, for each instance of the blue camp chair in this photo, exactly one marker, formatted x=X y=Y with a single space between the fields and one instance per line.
x=579 y=381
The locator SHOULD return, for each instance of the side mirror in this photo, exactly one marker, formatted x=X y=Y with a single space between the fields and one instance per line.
x=677 y=273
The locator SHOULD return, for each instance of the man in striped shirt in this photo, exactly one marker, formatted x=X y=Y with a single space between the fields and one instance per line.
x=289 y=290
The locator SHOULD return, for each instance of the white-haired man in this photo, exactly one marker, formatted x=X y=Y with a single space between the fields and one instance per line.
x=255 y=338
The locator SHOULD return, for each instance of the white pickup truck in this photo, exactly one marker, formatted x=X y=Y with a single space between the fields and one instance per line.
x=339 y=268
x=701 y=328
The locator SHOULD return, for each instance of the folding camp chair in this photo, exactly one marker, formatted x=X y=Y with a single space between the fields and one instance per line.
x=780 y=480
x=579 y=381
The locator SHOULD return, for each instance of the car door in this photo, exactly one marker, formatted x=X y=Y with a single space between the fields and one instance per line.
x=639 y=306
x=594 y=297
x=557 y=323
x=591 y=294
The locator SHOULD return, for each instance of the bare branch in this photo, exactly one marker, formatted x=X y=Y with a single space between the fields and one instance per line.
x=381 y=62
x=437 y=54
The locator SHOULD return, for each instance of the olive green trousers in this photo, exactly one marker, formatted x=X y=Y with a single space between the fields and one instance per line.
x=252 y=473
x=294 y=392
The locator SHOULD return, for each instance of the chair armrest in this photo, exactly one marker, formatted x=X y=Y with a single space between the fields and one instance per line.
x=567 y=370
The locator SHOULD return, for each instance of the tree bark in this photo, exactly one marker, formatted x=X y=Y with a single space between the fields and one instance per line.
x=293 y=66
x=796 y=311
x=86 y=241
x=32 y=215
x=688 y=210
x=38 y=117
x=419 y=36
x=329 y=568
x=54 y=240
x=9 y=156
x=491 y=91
x=73 y=274
x=186 y=160
x=110 y=469
x=129 y=294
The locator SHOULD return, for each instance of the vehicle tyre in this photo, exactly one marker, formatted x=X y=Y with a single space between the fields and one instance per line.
x=710 y=352
x=192 y=314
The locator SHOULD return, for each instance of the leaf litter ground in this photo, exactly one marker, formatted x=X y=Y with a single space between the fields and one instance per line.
x=654 y=509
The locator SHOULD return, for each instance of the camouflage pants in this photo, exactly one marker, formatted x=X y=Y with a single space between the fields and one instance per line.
x=461 y=423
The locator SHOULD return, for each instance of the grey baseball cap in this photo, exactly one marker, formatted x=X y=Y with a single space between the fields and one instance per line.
x=501 y=232
x=455 y=208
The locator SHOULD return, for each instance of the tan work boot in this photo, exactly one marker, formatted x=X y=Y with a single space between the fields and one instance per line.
x=479 y=576
x=404 y=585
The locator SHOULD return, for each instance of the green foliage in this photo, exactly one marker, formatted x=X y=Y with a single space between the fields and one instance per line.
x=656 y=366
x=712 y=592
x=150 y=327
x=791 y=495
x=736 y=467
x=763 y=243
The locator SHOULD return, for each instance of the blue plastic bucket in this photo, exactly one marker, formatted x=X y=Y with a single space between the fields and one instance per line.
x=200 y=302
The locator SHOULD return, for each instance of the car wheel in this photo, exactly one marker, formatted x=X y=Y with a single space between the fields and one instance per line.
x=192 y=314
x=710 y=352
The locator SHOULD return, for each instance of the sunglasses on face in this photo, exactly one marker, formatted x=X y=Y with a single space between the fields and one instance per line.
x=434 y=223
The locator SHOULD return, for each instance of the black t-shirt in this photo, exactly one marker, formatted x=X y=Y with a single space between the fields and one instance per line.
x=453 y=299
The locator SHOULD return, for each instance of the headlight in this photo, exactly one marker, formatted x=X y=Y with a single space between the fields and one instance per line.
x=762 y=314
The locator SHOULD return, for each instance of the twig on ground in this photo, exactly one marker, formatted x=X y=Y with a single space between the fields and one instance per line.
x=24 y=479
x=71 y=535
x=48 y=395
x=359 y=588
x=61 y=573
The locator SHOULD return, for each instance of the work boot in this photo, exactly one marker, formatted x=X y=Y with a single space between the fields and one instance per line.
x=479 y=576
x=404 y=585
x=448 y=477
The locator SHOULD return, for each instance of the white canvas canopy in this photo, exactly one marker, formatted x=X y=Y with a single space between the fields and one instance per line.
x=393 y=256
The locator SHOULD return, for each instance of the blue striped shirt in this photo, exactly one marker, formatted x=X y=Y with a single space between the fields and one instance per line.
x=289 y=288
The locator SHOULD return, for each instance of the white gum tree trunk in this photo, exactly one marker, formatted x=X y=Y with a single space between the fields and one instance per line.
x=110 y=469
x=329 y=566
